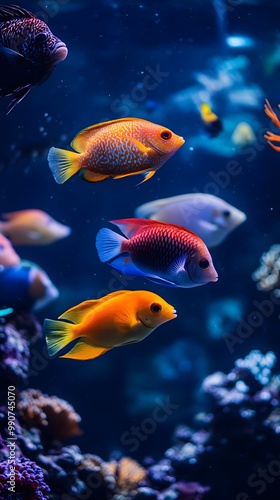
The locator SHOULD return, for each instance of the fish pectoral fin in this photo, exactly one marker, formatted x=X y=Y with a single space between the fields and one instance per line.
x=177 y=265
x=162 y=281
x=89 y=176
x=141 y=147
x=10 y=55
x=34 y=235
x=207 y=226
x=147 y=176
x=19 y=95
x=85 y=350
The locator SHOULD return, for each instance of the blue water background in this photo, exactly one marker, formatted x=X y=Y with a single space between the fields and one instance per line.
x=111 y=44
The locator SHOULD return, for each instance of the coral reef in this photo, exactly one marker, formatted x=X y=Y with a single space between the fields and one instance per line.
x=55 y=415
x=24 y=476
x=15 y=337
x=268 y=274
x=236 y=440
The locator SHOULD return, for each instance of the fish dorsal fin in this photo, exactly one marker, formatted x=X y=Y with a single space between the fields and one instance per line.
x=84 y=350
x=86 y=134
x=14 y=12
x=130 y=226
x=77 y=313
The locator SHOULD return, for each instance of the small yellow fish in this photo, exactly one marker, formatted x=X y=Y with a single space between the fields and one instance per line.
x=32 y=227
x=212 y=122
x=117 y=148
x=119 y=318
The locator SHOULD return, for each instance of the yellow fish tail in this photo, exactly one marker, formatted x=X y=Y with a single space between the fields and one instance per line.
x=63 y=164
x=58 y=335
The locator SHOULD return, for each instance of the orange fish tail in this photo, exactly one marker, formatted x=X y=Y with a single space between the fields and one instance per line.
x=63 y=164
x=58 y=335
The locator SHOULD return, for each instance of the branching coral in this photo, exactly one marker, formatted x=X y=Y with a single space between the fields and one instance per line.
x=268 y=274
x=50 y=413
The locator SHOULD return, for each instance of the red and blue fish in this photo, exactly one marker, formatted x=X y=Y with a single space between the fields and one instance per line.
x=164 y=253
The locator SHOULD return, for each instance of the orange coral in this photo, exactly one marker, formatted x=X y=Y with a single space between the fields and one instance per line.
x=269 y=136
x=128 y=473
x=50 y=413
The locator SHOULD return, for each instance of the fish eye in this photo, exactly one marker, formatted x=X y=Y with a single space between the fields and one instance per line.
x=166 y=135
x=226 y=213
x=204 y=263
x=155 y=307
x=40 y=38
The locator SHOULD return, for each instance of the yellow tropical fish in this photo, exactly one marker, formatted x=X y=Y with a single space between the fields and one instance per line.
x=117 y=148
x=32 y=227
x=119 y=318
x=212 y=122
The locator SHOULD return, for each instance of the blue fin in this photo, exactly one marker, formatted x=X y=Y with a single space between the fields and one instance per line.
x=124 y=264
x=108 y=244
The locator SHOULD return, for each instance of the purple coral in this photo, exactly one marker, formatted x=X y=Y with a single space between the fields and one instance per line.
x=15 y=337
x=22 y=479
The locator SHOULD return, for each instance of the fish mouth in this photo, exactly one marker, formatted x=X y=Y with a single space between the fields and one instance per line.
x=60 y=51
x=182 y=141
x=213 y=279
x=174 y=314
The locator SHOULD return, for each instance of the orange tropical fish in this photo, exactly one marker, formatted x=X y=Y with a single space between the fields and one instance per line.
x=32 y=227
x=117 y=148
x=269 y=135
x=119 y=318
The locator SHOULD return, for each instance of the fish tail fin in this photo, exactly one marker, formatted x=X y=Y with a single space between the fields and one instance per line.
x=108 y=244
x=63 y=164
x=58 y=335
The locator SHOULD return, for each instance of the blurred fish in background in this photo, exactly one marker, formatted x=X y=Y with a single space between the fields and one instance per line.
x=212 y=123
x=243 y=135
x=208 y=216
x=32 y=227
x=8 y=255
x=29 y=52
x=25 y=286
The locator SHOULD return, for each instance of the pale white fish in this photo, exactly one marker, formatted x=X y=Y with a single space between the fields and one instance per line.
x=208 y=216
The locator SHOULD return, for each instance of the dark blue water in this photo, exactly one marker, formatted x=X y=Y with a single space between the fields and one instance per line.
x=112 y=45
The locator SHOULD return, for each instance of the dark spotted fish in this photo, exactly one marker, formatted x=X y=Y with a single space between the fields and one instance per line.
x=164 y=253
x=28 y=52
